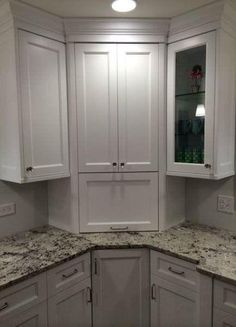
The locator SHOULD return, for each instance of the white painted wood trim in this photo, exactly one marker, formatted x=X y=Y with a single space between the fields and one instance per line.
x=116 y=30
x=220 y=14
x=37 y=21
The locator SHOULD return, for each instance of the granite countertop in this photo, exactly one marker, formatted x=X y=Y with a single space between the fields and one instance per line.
x=26 y=254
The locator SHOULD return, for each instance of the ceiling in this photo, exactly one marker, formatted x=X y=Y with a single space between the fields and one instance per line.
x=102 y=8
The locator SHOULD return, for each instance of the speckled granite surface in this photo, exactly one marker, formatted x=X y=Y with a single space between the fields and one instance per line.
x=29 y=253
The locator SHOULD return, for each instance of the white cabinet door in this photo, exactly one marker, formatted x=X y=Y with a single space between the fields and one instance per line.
x=172 y=305
x=43 y=106
x=34 y=317
x=115 y=202
x=223 y=319
x=190 y=106
x=71 y=307
x=138 y=106
x=121 y=288
x=96 y=83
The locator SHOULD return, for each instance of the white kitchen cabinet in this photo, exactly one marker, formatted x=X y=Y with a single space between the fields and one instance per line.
x=71 y=307
x=34 y=317
x=201 y=106
x=33 y=108
x=121 y=288
x=172 y=305
x=223 y=319
x=224 y=311
x=118 y=201
x=180 y=296
x=117 y=107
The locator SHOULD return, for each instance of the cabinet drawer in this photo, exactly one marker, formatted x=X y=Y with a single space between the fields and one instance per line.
x=68 y=274
x=225 y=297
x=175 y=270
x=22 y=296
x=35 y=316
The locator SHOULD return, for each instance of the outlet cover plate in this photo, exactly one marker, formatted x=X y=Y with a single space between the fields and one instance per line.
x=7 y=209
x=225 y=204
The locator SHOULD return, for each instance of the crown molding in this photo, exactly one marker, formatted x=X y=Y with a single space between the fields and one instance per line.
x=31 y=19
x=220 y=14
x=116 y=30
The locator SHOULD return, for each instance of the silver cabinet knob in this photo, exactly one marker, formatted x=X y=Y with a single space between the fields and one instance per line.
x=208 y=166
x=29 y=169
x=122 y=164
x=114 y=164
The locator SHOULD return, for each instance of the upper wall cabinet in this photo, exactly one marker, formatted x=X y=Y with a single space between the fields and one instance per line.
x=33 y=108
x=117 y=101
x=201 y=105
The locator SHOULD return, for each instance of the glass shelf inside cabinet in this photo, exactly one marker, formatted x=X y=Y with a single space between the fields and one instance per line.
x=190 y=105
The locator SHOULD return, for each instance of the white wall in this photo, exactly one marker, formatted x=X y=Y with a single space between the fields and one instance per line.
x=31 y=206
x=201 y=202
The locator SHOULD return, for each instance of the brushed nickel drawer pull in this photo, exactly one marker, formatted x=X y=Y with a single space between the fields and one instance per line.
x=153 y=292
x=176 y=271
x=119 y=228
x=4 y=306
x=89 y=295
x=70 y=274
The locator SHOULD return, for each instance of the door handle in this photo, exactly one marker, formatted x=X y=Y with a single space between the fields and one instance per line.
x=4 y=306
x=153 y=292
x=89 y=295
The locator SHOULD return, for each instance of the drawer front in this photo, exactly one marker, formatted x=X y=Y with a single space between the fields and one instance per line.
x=225 y=297
x=34 y=317
x=22 y=296
x=68 y=274
x=174 y=270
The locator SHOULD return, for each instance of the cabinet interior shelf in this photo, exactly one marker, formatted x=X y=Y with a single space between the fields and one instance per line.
x=189 y=94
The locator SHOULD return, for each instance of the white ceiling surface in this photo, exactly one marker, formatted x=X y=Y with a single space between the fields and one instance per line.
x=102 y=8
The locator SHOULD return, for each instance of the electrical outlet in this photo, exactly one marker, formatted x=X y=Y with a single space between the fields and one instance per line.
x=7 y=209
x=225 y=204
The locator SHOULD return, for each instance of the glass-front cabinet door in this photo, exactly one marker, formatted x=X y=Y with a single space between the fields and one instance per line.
x=190 y=102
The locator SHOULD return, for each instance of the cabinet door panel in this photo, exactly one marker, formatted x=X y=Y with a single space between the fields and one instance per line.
x=121 y=288
x=113 y=202
x=172 y=305
x=71 y=307
x=223 y=319
x=190 y=106
x=44 y=106
x=138 y=106
x=96 y=82
x=34 y=317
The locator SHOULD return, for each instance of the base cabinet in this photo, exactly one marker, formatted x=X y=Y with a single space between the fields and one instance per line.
x=71 y=307
x=34 y=317
x=172 y=305
x=121 y=288
x=223 y=319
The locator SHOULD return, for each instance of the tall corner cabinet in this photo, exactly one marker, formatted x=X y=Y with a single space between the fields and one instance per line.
x=33 y=107
x=117 y=118
x=201 y=106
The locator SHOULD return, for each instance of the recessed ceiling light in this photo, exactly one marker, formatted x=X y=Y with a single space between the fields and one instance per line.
x=123 y=5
